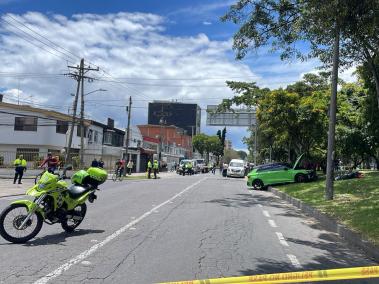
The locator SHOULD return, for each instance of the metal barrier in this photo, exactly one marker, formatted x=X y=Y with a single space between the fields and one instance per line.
x=35 y=158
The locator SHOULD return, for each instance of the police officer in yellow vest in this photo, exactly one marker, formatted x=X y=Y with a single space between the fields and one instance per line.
x=156 y=168
x=20 y=167
x=149 y=167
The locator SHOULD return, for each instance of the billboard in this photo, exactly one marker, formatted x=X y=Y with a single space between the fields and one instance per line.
x=237 y=117
x=185 y=116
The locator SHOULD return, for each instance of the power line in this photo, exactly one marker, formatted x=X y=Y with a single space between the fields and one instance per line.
x=160 y=85
x=122 y=84
x=44 y=37
x=28 y=34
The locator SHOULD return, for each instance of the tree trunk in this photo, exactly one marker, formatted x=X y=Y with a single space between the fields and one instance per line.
x=376 y=77
x=329 y=191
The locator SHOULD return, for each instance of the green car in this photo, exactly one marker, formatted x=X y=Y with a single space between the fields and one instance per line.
x=276 y=173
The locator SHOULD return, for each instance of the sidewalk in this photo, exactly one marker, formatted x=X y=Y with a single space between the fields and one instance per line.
x=7 y=188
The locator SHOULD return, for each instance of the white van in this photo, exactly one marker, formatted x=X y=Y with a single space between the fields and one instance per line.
x=236 y=168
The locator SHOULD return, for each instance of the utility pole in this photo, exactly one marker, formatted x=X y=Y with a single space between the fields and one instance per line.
x=79 y=76
x=75 y=105
x=129 y=110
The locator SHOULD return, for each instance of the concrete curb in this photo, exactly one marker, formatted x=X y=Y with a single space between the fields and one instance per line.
x=11 y=177
x=352 y=238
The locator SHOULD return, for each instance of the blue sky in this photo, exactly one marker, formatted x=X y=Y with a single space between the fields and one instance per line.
x=175 y=40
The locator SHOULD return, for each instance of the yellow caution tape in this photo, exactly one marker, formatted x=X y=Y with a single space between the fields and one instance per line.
x=294 y=277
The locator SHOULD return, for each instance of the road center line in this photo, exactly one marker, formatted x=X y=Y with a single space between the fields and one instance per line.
x=294 y=260
x=265 y=212
x=281 y=238
x=272 y=223
x=79 y=258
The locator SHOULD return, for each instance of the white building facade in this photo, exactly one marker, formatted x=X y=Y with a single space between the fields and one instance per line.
x=34 y=132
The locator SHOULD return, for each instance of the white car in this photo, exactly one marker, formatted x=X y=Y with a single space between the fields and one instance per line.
x=236 y=168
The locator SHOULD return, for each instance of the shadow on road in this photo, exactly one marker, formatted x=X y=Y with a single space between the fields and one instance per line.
x=239 y=200
x=269 y=266
x=61 y=237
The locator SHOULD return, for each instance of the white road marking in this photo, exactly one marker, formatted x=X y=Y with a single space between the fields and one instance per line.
x=281 y=238
x=295 y=262
x=156 y=211
x=272 y=223
x=132 y=228
x=260 y=205
x=94 y=241
x=265 y=212
x=86 y=262
x=79 y=258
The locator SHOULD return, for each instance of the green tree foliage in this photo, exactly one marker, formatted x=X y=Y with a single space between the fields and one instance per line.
x=214 y=146
x=328 y=26
x=206 y=144
x=199 y=143
x=231 y=154
x=242 y=154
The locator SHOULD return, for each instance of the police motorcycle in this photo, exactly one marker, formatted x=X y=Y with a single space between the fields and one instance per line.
x=54 y=202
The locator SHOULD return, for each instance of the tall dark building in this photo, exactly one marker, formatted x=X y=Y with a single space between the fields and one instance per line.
x=186 y=116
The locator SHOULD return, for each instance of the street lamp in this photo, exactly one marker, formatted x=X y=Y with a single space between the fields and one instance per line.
x=98 y=90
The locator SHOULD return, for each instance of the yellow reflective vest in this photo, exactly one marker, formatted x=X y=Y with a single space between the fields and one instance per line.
x=156 y=165
x=20 y=162
x=149 y=166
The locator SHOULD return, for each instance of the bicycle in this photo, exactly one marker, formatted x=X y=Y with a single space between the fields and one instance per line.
x=117 y=175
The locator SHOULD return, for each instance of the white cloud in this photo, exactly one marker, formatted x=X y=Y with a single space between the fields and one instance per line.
x=207 y=23
x=125 y=45
x=128 y=45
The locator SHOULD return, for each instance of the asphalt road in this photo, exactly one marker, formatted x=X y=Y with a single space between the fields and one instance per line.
x=178 y=228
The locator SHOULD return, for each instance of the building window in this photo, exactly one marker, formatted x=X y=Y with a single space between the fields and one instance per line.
x=90 y=135
x=62 y=126
x=25 y=123
x=96 y=137
x=30 y=154
x=108 y=138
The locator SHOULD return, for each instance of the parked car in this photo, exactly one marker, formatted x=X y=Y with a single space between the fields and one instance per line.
x=236 y=168
x=262 y=176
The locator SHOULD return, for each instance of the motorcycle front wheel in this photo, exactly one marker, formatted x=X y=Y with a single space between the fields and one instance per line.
x=79 y=212
x=11 y=219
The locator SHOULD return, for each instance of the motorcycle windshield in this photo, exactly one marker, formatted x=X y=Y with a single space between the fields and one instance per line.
x=47 y=181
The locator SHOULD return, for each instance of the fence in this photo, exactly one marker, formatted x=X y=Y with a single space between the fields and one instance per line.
x=35 y=158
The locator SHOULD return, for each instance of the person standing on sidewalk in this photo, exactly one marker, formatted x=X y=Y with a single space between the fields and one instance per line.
x=130 y=167
x=20 y=167
x=155 y=168
x=149 y=167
